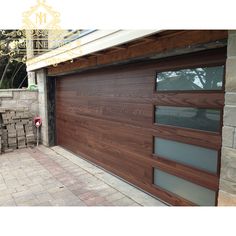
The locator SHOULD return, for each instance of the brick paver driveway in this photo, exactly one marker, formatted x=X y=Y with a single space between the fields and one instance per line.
x=55 y=177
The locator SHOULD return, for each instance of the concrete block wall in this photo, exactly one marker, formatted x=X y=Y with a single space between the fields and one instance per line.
x=19 y=99
x=227 y=193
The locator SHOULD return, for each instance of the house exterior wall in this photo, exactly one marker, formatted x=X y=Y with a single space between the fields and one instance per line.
x=227 y=193
x=19 y=99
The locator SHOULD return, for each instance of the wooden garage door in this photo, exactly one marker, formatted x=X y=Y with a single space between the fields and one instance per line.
x=155 y=124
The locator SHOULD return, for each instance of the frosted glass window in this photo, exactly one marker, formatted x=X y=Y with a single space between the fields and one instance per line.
x=185 y=189
x=194 y=156
x=200 y=78
x=188 y=117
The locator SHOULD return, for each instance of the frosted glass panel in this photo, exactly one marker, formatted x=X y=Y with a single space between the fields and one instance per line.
x=195 y=156
x=188 y=117
x=185 y=189
x=201 y=78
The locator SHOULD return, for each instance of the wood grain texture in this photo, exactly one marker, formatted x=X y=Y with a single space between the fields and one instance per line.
x=143 y=48
x=106 y=116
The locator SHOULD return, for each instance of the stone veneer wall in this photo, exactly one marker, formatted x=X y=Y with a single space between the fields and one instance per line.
x=19 y=99
x=43 y=105
x=227 y=193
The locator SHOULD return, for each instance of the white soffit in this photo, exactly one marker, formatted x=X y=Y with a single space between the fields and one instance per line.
x=91 y=43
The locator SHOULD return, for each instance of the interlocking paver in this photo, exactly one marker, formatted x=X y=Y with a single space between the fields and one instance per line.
x=125 y=202
x=44 y=197
x=44 y=177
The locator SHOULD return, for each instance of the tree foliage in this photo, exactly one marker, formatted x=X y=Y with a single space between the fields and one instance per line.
x=12 y=59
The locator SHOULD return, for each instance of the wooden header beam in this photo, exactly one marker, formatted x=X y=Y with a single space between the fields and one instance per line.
x=159 y=43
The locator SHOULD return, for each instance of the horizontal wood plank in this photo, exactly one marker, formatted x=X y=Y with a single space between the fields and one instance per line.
x=199 y=177
x=188 y=99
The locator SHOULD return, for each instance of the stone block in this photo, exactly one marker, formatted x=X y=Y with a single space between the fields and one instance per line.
x=34 y=107
x=230 y=99
x=229 y=153
x=20 y=133
x=228 y=136
x=9 y=104
x=231 y=47
x=234 y=144
x=11 y=140
x=21 y=138
x=11 y=134
x=6 y=94
x=230 y=85
x=8 y=150
x=230 y=115
x=226 y=199
x=11 y=127
x=19 y=126
x=29 y=95
x=23 y=103
x=16 y=95
x=227 y=186
x=228 y=170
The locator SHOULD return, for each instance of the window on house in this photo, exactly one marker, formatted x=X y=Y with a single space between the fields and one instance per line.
x=194 y=156
x=200 y=78
x=189 y=117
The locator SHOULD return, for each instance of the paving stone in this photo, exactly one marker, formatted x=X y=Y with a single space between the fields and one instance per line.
x=44 y=197
x=3 y=186
x=8 y=203
x=114 y=196
x=7 y=191
x=37 y=189
x=22 y=193
x=44 y=204
x=42 y=177
x=75 y=202
x=21 y=188
x=62 y=194
x=125 y=202
x=94 y=201
x=25 y=199
x=5 y=198
x=80 y=191
x=12 y=183
x=30 y=202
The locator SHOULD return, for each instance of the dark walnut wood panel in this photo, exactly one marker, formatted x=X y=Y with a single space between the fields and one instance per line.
x=170 y=198
x=196 y=176
x=121 y=162
x=187 y=99
x=132 y=83
x=190 y=136
x=105 y=109
x=129 y=138
x=106 y=116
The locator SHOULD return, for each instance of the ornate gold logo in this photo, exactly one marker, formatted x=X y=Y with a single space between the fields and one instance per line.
x=42 y=33
x=41 y=16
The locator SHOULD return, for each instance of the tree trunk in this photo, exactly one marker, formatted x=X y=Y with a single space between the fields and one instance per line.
x=4 y=73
